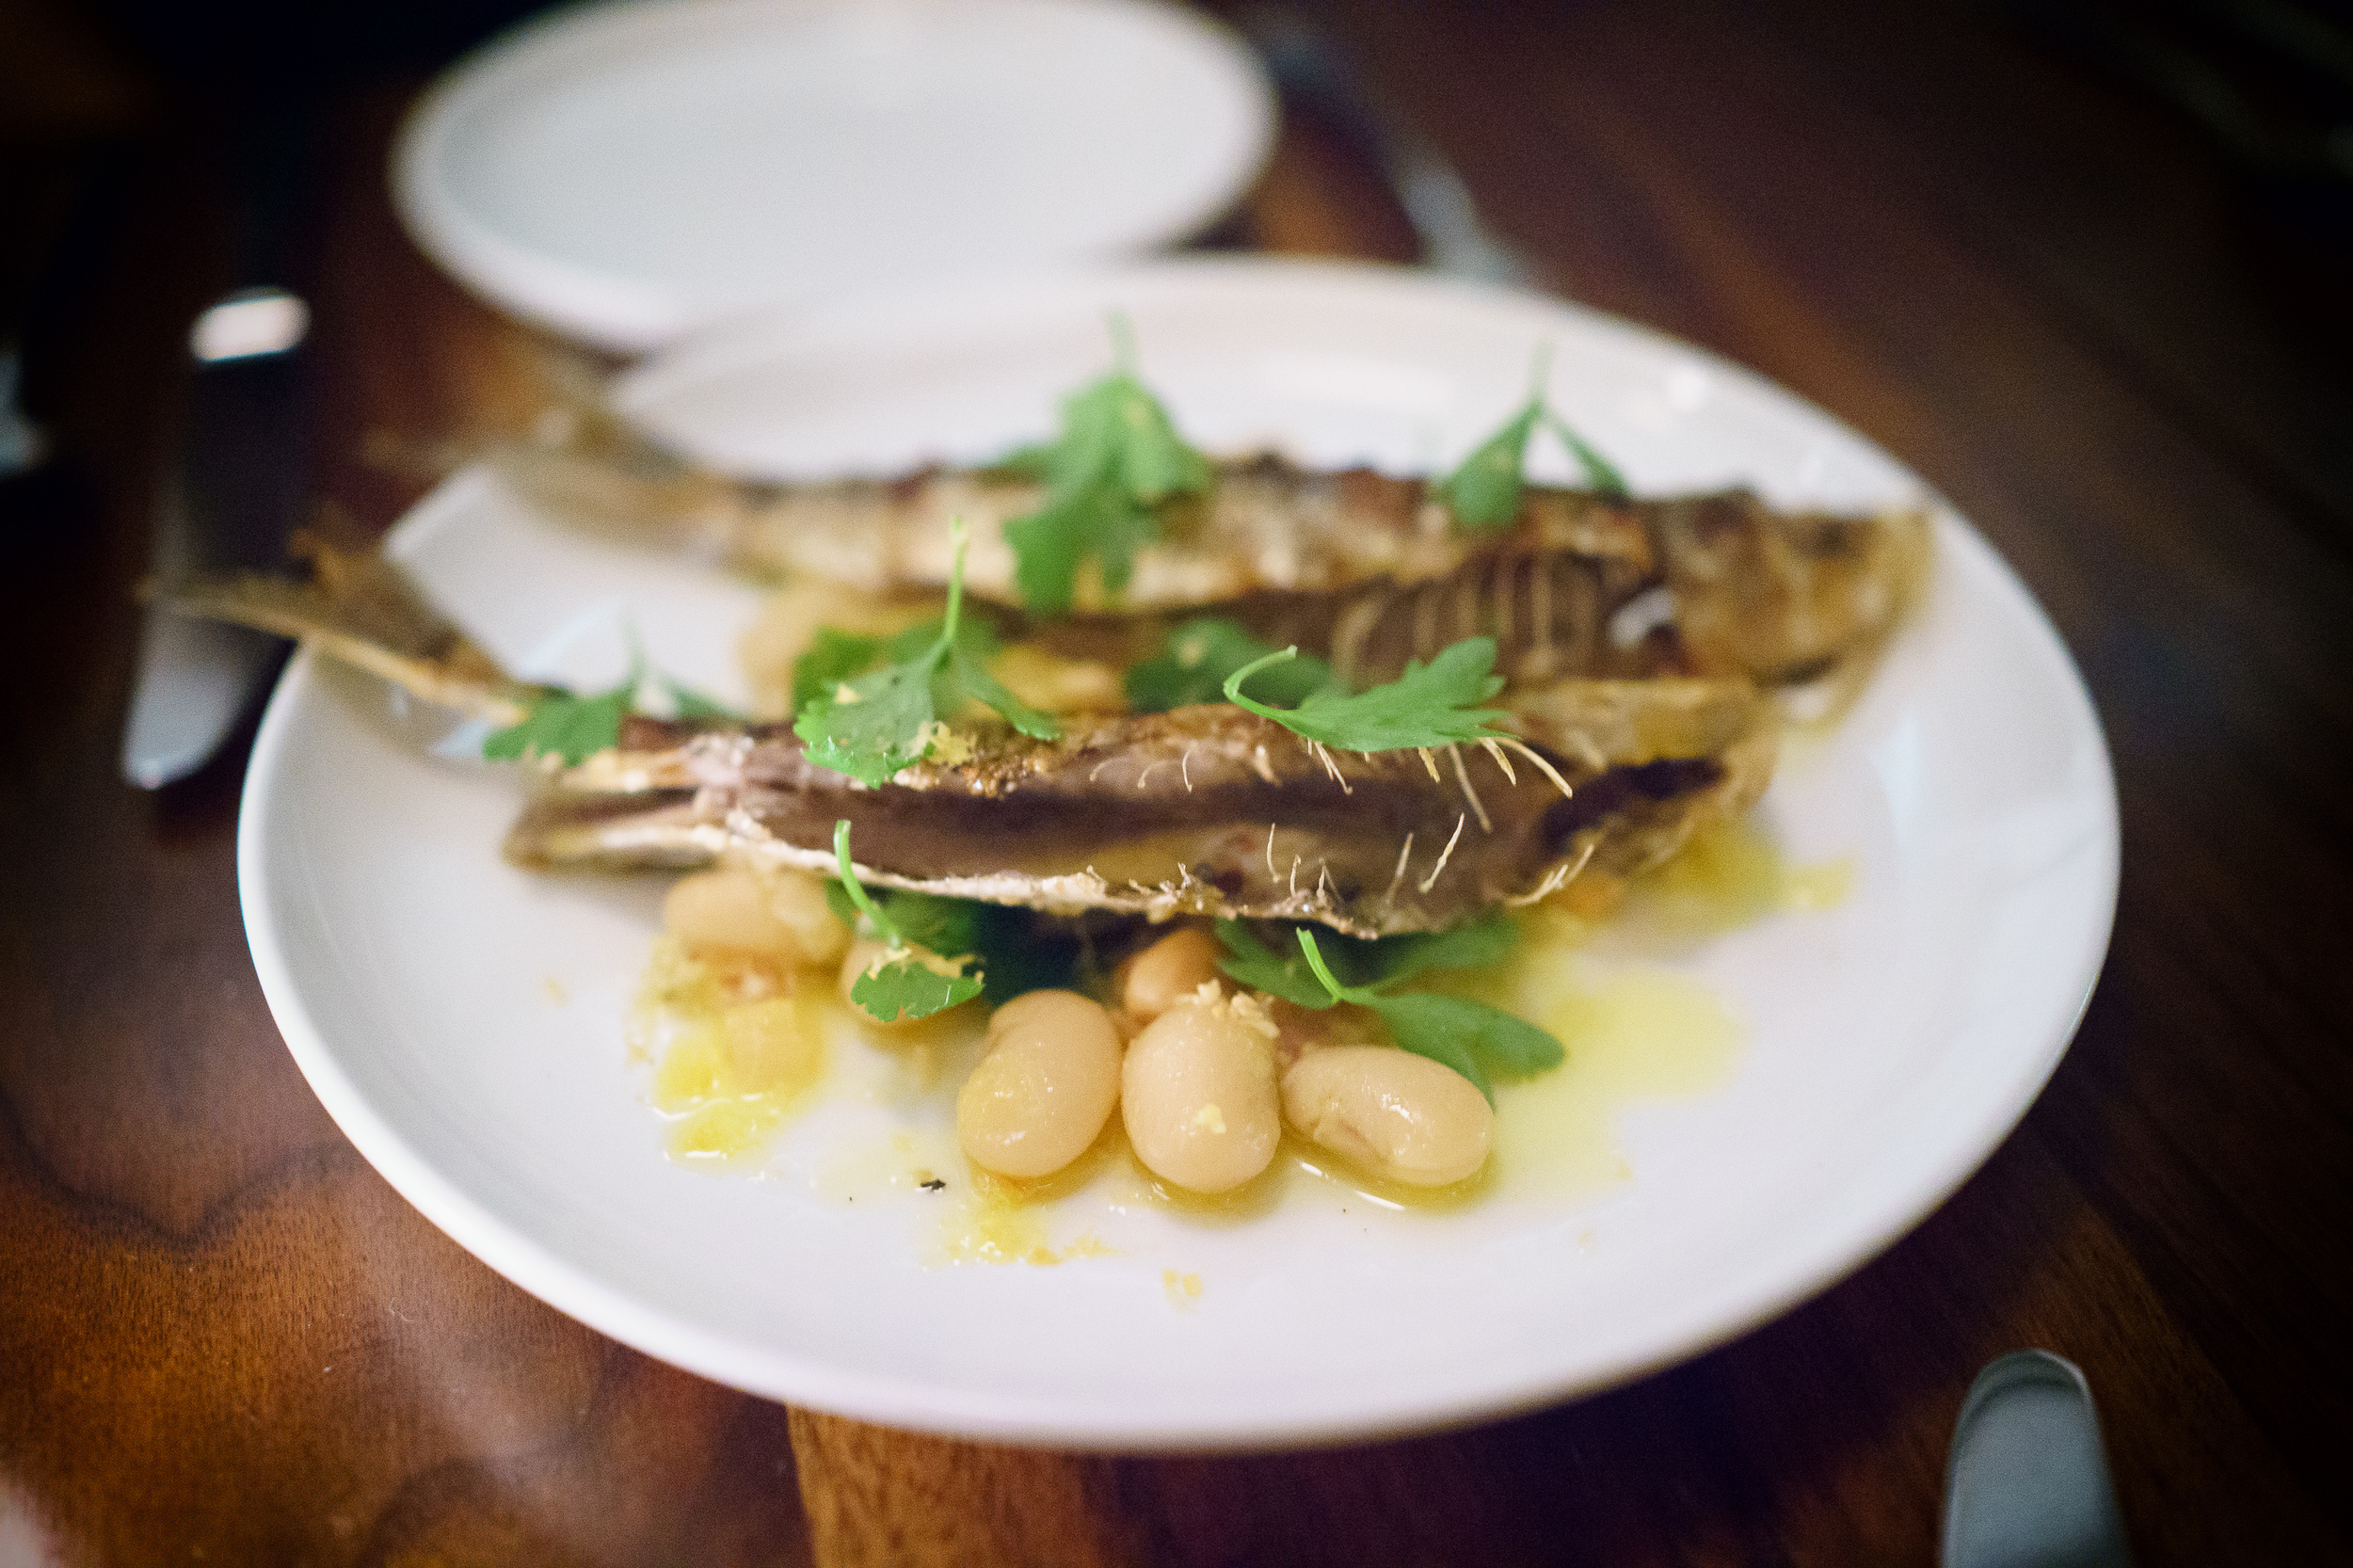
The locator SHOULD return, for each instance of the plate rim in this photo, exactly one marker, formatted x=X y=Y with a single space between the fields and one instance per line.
x=991 y=1416
x=588 y=305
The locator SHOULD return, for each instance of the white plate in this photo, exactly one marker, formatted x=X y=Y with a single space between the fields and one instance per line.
x=1893 y=1040
x=621 y=173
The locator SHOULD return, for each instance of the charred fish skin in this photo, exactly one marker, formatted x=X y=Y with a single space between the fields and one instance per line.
x=1212 y=809
x=1786 y=597
x=1553 y=614
x=1720 y=585
x=1366 y=565
x=1208 y=810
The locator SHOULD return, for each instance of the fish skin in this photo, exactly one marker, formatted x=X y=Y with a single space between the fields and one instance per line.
x=1204 y=811
x=1780 y=596
x=361 y=609
x=1368 y=565
x=1154 y=815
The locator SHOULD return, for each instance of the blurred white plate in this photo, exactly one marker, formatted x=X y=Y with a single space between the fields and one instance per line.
x=462 y=1020
x=622 y=173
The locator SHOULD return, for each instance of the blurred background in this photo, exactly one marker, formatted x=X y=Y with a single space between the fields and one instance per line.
x=2172 y=181
x=149 y=148
x=149 y=151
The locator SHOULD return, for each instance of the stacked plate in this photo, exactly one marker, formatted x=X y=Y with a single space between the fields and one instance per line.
x=623 y=174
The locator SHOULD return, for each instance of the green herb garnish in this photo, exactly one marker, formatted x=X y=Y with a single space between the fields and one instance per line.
x=835 y=657
x=901 y=985
x=1474 y=945
x=1251 y=963
x=1200 y=656
x=926 y=919
x=1017 y=955
x=1454 y=1031
x=1486 y=491
x=574 y=729
x=871 y=727
x=1429 y=705
x=1118 y=456
x=1365 y=961
x=562 y=725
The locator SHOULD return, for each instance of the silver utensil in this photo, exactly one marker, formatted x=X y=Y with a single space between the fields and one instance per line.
x=1312 y=69
x=2026 y=1484
x=22 y=443
x=228 y=504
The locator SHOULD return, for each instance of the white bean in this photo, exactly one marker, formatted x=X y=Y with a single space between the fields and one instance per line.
x=1198 y=1092
x=1168 y=971
x=1398 y=1115
x=866 y=953
x=779 y=915
x=726 y=911
x=797 y=899
x=1046 y=1086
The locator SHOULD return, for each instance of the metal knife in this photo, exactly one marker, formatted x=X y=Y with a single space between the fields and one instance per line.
x=238 y=485
x=2027 y=1480
x=228 y=504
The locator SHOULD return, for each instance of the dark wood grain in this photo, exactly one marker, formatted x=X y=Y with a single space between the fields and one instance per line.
x=222 y=1335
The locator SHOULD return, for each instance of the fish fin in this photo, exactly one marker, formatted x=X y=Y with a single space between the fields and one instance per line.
x=359 y=609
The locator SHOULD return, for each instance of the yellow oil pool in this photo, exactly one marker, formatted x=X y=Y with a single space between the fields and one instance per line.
x=1730 y=876
x=1639 y=1034
x=738 y=1049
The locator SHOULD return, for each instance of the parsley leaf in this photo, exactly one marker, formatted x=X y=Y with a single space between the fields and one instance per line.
x=1380 y=962
x=902 y=984
x=924 y=919
x=573 y=729
x=1484 y=492
x=1118 y=457
x=1454 y=1031
x=1202 y=652
x=1048 y=544
x=1017 y=952
x=873 y=725
x=1474 y=945
x=562 y=725
x=830 y=660
x=1252 y=964
x=966 y=652
x=1599 y=470
x=1426 y=706
x=907 y=986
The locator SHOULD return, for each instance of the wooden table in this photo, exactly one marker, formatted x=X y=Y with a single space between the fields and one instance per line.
x=224 y=1338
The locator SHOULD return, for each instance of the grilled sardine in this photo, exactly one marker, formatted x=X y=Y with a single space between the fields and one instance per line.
x=1370 y=567
x=1204 y=811
x=1207 y=809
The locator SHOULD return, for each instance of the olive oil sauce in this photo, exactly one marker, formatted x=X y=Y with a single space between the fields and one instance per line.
x=737 y=1050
